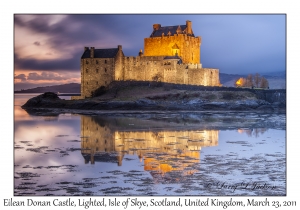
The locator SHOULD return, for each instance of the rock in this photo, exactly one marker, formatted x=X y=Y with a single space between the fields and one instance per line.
x=51 y=100
x=265 y=107
x=194 y=101
x=44 y=100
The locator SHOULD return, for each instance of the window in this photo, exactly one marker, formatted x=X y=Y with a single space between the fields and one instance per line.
x=105 y=61
x=86 y=62
x=97 y=62
x=97 y=70
x=105 y=70
x=87 y=83
x=97 y=84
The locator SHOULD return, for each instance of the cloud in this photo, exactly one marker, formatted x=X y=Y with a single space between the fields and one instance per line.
x=37 y=43
x=22 y=77
x=231 y=43
x=70 y=64
x=45 y=76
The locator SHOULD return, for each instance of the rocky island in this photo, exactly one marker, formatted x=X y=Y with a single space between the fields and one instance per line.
x=151 y=96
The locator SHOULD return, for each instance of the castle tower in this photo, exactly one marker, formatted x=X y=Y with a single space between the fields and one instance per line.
x=176 y=40
x=99 y=67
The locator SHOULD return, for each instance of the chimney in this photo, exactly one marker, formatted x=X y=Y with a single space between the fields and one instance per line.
x=119 y=47
x=188 y=27
x=156 y=27
x=85 y=49
x=92 y=52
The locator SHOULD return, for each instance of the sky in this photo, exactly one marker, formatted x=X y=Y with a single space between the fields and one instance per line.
x=48 y=47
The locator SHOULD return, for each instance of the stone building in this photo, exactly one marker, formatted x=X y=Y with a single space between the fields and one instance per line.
x=171 y=54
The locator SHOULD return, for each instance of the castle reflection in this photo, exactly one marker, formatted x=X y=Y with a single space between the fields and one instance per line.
x=161 y=149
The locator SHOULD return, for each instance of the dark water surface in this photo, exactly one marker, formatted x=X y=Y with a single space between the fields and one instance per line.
x=152 y=154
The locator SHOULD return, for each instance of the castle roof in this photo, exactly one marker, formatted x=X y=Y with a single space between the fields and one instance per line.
x=101 y=53
x=176 y=57
x=170 y=30
x=172 y=57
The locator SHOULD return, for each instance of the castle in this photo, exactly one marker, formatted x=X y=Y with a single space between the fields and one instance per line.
x=171 y=55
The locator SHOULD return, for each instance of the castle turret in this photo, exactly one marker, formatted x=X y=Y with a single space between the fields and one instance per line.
x=141 y=53
x=156 y=26
x=189 y=27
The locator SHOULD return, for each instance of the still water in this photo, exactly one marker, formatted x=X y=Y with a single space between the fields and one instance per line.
x=149 y=154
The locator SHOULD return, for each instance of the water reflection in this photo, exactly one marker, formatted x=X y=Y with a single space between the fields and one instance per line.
x=147 y=154
x=161 y=151
x=253 y=132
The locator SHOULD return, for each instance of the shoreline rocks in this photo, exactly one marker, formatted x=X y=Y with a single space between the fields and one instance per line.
x=51 y=100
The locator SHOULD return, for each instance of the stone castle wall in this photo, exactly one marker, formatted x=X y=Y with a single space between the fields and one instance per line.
x=155 y=68
x=97 y=72
x=188 y=47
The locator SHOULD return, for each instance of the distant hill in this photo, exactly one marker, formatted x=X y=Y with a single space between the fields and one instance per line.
x=277 y=80
x=65 y=88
